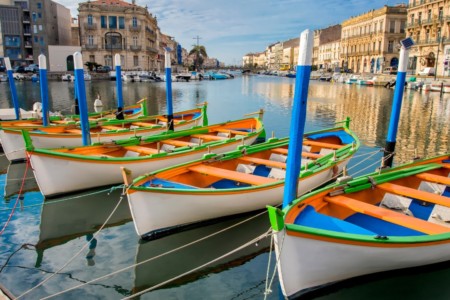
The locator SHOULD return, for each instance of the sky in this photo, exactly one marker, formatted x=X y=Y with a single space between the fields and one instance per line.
x=229 y=29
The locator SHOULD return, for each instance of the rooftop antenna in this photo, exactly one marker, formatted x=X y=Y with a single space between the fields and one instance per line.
x=197 y=38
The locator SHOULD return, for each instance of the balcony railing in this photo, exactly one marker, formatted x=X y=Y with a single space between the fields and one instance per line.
x=92 y=26
x=91 y=46
x=113 y=47
x=151 y=49
x=135 y=48
x=134 y=28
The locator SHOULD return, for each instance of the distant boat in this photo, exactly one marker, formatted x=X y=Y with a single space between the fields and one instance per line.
x=388 y=220
x=71 y=77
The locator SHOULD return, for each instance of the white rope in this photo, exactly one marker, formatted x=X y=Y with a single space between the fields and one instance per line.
x=199 y=267
x=76 y=254
x=269 y=290
x=157 y=256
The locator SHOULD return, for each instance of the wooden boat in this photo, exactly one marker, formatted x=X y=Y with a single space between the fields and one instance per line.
x=443 y=85
x=71 y=135
x=66 y=170
x=236 y=182
x=130 y=112
x=383 y=221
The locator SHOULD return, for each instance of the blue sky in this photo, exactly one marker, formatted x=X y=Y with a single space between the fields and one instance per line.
x=231 y=28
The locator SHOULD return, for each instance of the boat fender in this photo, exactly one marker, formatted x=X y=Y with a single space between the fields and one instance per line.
x=98 y=102
x=37 y=107
x=344 y=179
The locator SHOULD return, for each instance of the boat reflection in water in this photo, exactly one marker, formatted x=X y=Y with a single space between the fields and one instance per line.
x=231 y=234
x=17 y=174
x=78 y=215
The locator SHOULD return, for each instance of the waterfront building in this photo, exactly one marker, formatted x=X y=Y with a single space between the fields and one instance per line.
x=428 y=25
x=248 y=60
x=12 y=31
x=327 y=47
x=290 y=54
x=369 y=42
x=108 y=27
x=75 y=33
x=315 y=54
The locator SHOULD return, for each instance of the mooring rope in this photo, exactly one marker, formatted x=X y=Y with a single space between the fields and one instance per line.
x=158 y=256
x=17 y=200
x=76 y=254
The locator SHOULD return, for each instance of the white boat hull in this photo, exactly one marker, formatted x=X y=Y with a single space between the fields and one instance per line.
x=153 y=210
x=56 y=174
x=306 y=264
x=14 y=144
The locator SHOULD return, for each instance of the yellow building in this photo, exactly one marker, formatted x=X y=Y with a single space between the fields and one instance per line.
x=108 y=27
x=369 y=42
x=428 y=25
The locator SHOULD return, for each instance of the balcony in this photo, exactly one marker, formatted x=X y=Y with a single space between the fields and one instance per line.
x=135 y=48
x=92 y=26
x=91 y=47
x=134 y=28
x=429 y=41
x=151 y=49
x=113 y=47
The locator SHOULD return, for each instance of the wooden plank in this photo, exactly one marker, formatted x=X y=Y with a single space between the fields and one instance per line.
x=434 y=178
x=261 y=161
x=446 y=166
x=232 y=175
x=413 y=193
x=304 y=154
x=209 y=137
x=322 y=145
x=144 y=124
x=112 y=127
x=387 y=215
x=175 y=121
x=231 y=131
x=178 y=143
x=76 y=131
x=140 y=149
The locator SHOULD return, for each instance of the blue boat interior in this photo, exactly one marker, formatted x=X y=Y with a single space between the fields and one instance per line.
x=132 y=111
x=341 y=134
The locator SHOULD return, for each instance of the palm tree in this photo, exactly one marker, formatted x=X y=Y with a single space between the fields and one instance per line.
x=200 y=53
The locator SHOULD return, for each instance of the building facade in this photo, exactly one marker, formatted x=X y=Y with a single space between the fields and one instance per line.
x=428 y=25
x=111 y=27
x=369 y=42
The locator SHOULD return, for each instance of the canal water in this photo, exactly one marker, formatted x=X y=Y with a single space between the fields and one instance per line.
x=45 y=250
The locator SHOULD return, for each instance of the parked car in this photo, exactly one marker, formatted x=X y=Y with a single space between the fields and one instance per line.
x=32 y=68
x=19 y=69
x=2 y=69
x=103 y=69
x=390 y=70
x=427 y=72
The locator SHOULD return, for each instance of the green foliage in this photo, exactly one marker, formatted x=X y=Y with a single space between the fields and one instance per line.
x=200 y=54
x=91 y=65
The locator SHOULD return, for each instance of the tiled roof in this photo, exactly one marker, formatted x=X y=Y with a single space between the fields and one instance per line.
x=112 y=2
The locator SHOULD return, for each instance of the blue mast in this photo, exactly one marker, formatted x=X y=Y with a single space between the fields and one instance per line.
x=169 y=89
x=44 y=88
x=12 y=86
x=298 y=118
x=81 y=93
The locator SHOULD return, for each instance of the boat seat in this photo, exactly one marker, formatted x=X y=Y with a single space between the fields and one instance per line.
x=304 y=154
x=232 y=175
x=261 y=161
x=413 y=193
x=144 y=124
x=110 y=127
x=387 y=215
x=278 y=157
x=209 y=137
x=76 y=131
x=321 y=144
x=232 y=131
x=434 y=178
x=178 y=143
x=140 y=149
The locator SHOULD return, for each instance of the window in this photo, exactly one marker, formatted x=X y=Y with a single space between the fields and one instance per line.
x=391 y=46
x=36 y=39
x=103 y=21
x=134 y=22
x=402 y=26
x=90 y=40
x=381 y=26
x=135 y=40
x=39 y=5
x=41 y=41
x=12 y=41
x=429 y=15
x=92 y=58
x=419 y=18
x=112 y=22
x=136 y=61
x=392 y=27
x=412 y=19
x=40 y=27
x=34 y=16
x=121 y=22
x=90 y=19
x=13 y=53
x=113 y=40
x=34 y=29
x=39 y=16
x=441 y=13
x=108 y=60
x=427 y=35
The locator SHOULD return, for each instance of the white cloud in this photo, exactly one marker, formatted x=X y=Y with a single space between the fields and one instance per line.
x=230 y=29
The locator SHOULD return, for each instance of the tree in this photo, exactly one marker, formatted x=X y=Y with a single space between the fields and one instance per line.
x=200 y=54
x=92 y=65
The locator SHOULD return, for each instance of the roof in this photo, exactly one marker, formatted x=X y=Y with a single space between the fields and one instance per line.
x=113 y=2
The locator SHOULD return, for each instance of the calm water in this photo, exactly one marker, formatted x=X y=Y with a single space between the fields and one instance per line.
x=47 y=238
